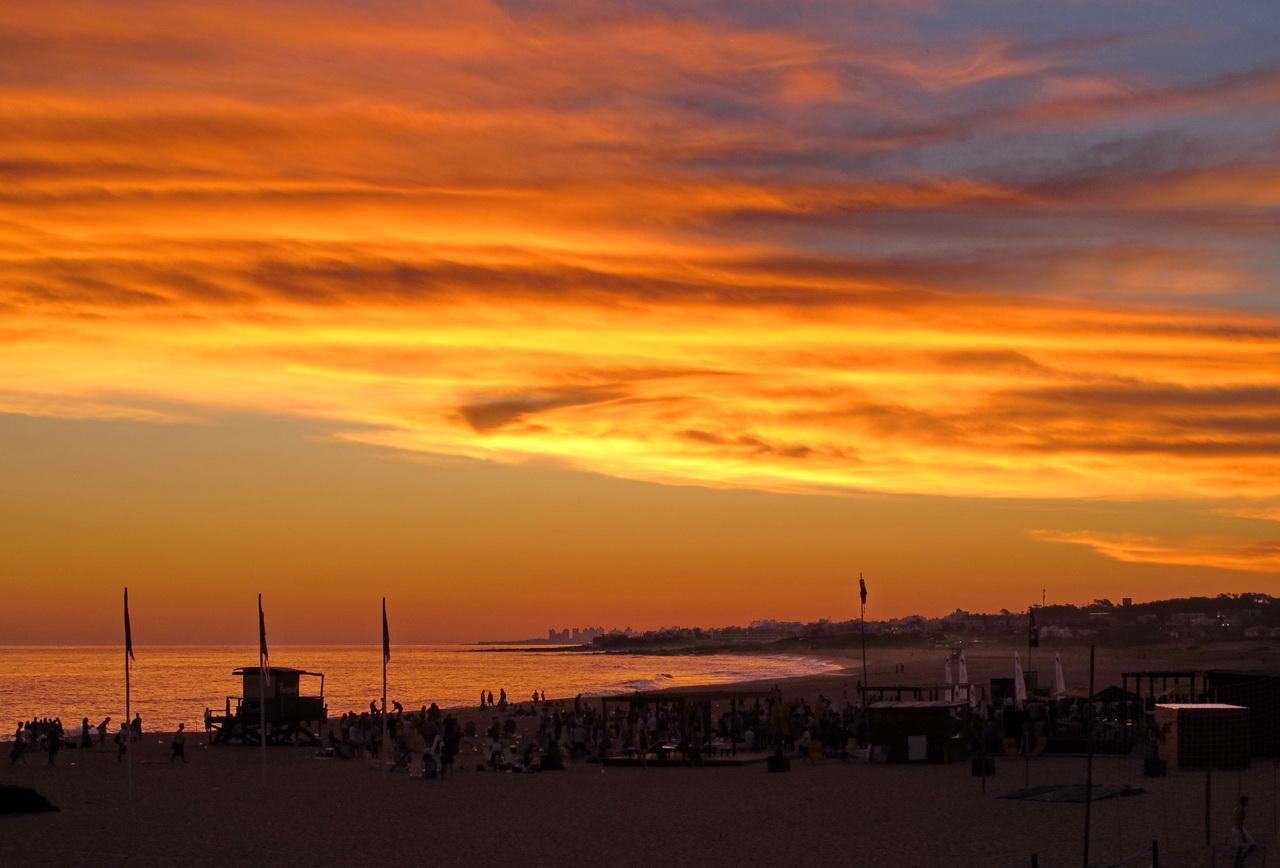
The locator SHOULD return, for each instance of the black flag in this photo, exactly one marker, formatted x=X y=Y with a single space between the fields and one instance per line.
x=128 y=630
x=862 y=589
x=386 y=634
x=263 y=659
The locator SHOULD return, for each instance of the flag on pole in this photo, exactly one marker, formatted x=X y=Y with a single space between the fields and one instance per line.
x=1059 y=680
x=862 y=589
x=128 y=629
x=1019 y=683
x=386 y=634
x=264 y=660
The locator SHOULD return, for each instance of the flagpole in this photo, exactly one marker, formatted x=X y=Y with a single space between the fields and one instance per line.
x=262 y=690
x=862 y=618
x=128 y=698
x=386 y=747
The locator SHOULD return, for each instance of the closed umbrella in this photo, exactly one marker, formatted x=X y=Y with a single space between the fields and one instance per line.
x=1019 y=683
x=1059 y=682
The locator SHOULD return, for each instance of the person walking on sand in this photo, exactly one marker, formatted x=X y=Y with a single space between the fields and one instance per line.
x=86 y=734
x=137 y=727
x=122 y=742
x=102 y=731
x=178 y=747
x=1240 y=837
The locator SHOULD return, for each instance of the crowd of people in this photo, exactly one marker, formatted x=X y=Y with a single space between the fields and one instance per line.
x=49 y=736
x=431 y=741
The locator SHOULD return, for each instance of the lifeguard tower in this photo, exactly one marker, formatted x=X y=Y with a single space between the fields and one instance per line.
x=290 y=717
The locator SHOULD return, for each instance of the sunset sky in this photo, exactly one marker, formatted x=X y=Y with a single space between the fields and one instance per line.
x=556 y=314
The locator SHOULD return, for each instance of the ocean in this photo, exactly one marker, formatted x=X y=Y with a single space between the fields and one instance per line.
x=175 y=683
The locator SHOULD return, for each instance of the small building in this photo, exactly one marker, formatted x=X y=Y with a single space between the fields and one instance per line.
x=1204 y=735
x=1004 y=688
x=938 y=692
x=918 y=731
x=279 y=704
x=1259 y=691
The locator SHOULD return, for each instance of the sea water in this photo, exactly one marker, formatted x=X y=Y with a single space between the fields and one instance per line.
x=172 y=684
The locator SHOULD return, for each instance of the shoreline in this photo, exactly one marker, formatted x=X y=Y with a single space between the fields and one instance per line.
x=799 y=665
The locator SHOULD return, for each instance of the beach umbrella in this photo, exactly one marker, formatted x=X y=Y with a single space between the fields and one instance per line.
x=964 y=679
x=946 y=670
x=1059 y=681
x=1019 y=683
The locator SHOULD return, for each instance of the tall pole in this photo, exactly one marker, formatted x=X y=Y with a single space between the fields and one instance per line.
x=128 y=699
x=862 y=618
x=386 y=747
x=1088 y=774
x=128 y=722
x=262 y=722
x=264 y=678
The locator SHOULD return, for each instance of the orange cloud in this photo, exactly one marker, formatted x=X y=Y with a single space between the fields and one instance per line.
x=680 y=248
x=1257 y=557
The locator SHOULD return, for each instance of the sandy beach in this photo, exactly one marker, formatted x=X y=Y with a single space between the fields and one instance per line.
x=313 y=811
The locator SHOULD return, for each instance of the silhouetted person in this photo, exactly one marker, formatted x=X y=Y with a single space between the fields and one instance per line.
x=86 y=734
x=491 y=699
x=482 y=700
x=53 y=741
x=178 y=747
x=19 y=744
x=102 y=731
x=1240 y=837
x=122 y=742
x=137 y=727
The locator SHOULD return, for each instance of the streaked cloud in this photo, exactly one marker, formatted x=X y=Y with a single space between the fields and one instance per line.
x=897 y=249
x=1259 y=557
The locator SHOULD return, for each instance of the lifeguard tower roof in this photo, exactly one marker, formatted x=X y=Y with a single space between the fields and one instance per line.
x=283 y=670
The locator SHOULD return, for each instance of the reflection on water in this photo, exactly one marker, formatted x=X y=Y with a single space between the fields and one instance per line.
x=176 y=683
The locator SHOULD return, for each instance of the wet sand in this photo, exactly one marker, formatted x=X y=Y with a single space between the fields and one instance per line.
x=312 y=811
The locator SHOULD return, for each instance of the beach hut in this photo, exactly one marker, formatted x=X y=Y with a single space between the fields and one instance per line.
x=290 y=716
x=918 y=730
x=939 y=692
x=1259 y=691
x=1206 y=735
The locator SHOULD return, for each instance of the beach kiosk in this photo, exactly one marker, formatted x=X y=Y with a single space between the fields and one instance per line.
x=1205 y=735
x=918 y=730
x=290 y=716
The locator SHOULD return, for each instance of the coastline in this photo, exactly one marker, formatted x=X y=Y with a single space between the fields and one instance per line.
x=288 y=806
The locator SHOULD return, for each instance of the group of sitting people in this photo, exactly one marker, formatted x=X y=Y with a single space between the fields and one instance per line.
x=426 y=739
